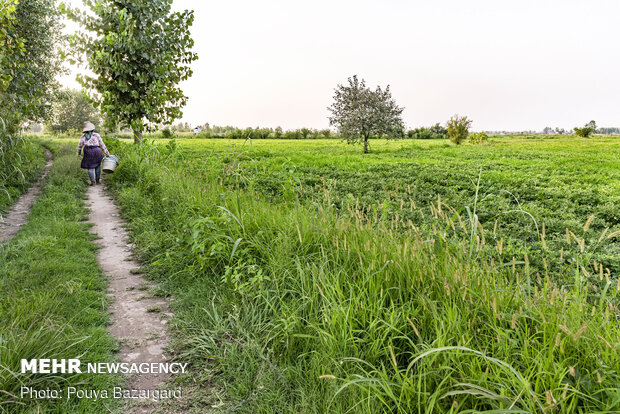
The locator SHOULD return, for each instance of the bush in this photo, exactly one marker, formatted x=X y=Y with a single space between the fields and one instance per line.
x=434 y=132
x=439 y=131
x=458 y=128
x=167 y=133
x=478 y=138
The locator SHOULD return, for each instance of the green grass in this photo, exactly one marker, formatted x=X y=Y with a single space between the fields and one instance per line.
x=21 y=163
x=52 y=297
x=292 y=298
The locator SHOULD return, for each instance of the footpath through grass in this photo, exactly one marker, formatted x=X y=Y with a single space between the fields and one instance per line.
x=52 y=298
x=290 y=305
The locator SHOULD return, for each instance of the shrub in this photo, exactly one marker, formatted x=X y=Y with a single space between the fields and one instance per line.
x=458 y=128
x=167 y=133
x=478 y=138
x=420 y=133
x=434 y=132
x=439 y=132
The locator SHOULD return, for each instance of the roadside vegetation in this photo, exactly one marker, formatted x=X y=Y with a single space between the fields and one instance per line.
x=52 y=297
x=338 y=288
x=21 y=163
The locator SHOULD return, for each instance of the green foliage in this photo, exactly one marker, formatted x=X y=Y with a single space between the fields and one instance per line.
x=21 y=163
x=70 y=111
x=139 y=52
x=360 y=113
x=587 y=130
x=292 y=134
x=324 y=304
x=439 y=131
x=458 y=128
x=10 y=46
x=478 y=138
x=30 y=60
x=167 y=133
x=434 y=132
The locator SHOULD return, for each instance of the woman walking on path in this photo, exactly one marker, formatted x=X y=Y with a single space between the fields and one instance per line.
x=93 y=145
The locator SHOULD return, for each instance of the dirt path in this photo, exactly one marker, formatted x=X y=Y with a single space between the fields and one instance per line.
x=17 y=215
x=138 y=319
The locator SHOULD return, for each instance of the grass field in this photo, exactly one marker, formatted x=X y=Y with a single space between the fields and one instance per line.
x=423 y=277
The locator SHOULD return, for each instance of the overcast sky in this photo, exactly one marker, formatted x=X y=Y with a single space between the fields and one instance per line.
x=508 y=65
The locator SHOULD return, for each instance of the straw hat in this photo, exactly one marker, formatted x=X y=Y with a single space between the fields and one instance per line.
x=88 y=126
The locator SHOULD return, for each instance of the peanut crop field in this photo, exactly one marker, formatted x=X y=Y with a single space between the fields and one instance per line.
x=422 y=277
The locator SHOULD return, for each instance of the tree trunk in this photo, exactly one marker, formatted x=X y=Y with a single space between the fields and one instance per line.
x=137 y=137
x=366 y=145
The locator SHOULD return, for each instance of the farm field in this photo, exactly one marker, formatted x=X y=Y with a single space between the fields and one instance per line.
x=524 y=184
x=423 y=277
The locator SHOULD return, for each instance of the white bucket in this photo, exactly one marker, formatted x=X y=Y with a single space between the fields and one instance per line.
x=109 y=164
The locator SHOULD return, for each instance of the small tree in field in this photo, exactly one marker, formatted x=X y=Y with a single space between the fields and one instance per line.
x=458 y=128
x=587 y=130
x=139 y=51
x=360 y=113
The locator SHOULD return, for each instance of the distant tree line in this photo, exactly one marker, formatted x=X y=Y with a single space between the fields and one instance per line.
x=436 y=131
x=207 y=131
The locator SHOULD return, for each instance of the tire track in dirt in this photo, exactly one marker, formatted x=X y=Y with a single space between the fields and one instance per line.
x=18 y=214
x=139 y=321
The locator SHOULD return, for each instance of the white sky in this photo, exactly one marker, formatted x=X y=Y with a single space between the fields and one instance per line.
x=508 y=65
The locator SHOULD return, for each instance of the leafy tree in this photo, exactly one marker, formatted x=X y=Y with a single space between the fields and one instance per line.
x=305 y=132
x=277 y=132
x=360 y=113
x=292 y=134
x=458 y=128
x=438 y=131
x=30 y=36
x=434 y=132
x=587 y=130
x=326 y=133
x=139 y=51
x=420 y=133
x=71 y=110
x=10 y=46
